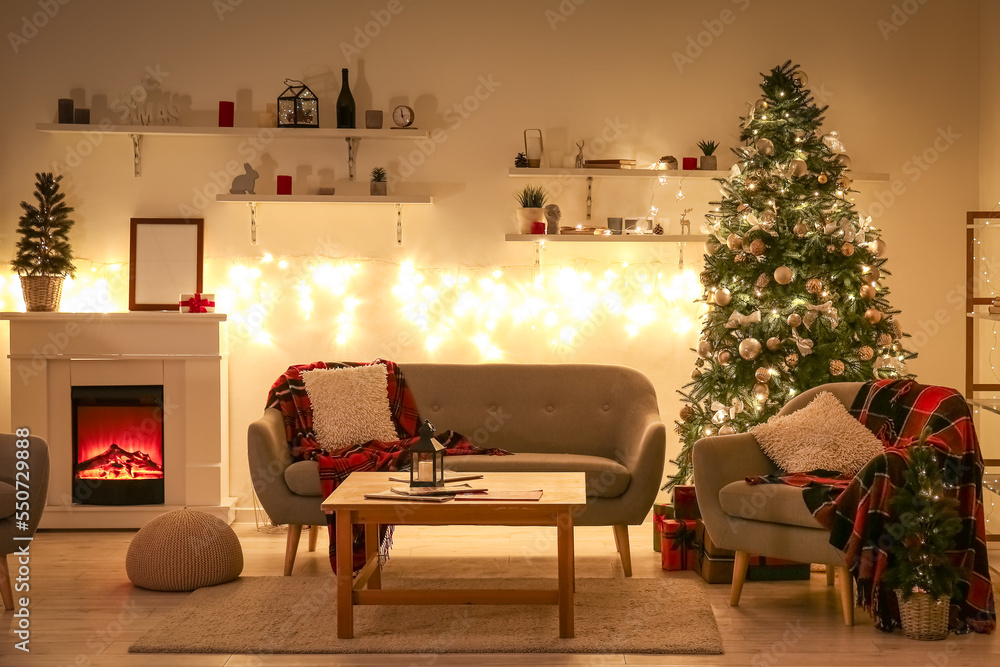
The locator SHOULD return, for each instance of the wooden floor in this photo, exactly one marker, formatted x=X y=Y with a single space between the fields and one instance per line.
x=85 y=612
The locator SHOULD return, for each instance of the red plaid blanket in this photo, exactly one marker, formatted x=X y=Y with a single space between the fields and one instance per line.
x=857 y=511
x=288 y=395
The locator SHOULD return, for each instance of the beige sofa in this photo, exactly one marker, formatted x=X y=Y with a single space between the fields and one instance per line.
x=598 y=419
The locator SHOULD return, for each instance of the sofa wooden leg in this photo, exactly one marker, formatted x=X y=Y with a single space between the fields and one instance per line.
x=5 y=590
x=313 y=534
x=830 y=571
x=621 y=542
x=739 y=576
x=291 y=546
x=847 y=595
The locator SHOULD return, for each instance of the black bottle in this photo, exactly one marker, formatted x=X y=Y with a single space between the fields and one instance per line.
x=345 y=104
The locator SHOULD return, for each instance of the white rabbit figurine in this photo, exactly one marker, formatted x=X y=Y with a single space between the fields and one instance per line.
x=244 y=183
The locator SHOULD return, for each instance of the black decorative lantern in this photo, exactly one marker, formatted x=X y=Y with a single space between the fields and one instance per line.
x=427 y=459
x=297 y=106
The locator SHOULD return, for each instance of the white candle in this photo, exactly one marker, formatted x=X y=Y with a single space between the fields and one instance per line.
x=425 y=472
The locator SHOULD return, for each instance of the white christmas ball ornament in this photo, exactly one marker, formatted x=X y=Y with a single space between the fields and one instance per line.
x=761 y=392
x=765 y=146
x=727 y=430
x=704 y=349
x=722 y=297
x=749 y=348
x=800 y=79
x=798 y=168
x=782 y=275
x=844 y=160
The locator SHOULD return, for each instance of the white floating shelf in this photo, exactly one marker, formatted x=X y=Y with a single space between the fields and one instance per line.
x=322 y=199
x=614 y=238
x=284 y=132
x=698 y=174
x=983 y=316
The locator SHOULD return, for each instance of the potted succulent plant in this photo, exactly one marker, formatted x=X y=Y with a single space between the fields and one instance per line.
x=708 y=161
x=532 y=200
x=926 y=523
x=43 y=254
x=378 y=184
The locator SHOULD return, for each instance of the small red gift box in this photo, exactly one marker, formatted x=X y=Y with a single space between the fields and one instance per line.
x=661 y=512
x=685 y=503
x=197 y=303
x=677 y=546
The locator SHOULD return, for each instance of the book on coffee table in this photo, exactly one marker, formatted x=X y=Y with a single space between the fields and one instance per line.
x=389 y=495
x=463 y=477
x=500 y=495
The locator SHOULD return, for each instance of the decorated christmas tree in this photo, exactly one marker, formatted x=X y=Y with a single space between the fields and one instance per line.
x=793 y=275
x=44 y=249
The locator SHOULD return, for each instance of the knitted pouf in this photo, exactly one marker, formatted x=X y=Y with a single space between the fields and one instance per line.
x=184 y=550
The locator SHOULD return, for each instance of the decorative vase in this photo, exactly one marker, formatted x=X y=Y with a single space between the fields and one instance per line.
x=42 y=293
x=526 y=216
x=924 y=617
x=708 y=163
x=378 y=188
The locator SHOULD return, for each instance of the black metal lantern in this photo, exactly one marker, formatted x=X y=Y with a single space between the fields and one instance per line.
x=427 y=459
x=297 y=106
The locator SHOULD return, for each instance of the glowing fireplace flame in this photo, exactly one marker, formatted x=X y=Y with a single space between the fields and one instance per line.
x=116 y=463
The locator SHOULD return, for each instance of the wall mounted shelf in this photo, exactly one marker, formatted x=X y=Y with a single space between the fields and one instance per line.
x=528 y=172
x=136 y=132
x=600 y=238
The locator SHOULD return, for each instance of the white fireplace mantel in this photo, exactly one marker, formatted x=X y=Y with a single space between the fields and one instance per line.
x=185 y=352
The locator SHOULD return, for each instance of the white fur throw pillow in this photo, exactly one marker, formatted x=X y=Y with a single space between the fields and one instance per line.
x=350 y=405
x=821 y=436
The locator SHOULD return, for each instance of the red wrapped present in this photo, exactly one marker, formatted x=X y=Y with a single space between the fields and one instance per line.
x=685 y=503
x=661 y=511
x=197 y=303
x=677 y=545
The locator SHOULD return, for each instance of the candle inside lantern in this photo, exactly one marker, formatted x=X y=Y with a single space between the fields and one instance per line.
x=425 y=471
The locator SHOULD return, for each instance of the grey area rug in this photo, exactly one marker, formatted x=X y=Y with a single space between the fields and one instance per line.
x=298 y=615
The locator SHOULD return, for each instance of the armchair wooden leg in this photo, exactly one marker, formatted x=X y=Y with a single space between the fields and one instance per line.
x=739 y=576
x=291 y=546
x=5 y=590
x=830 y=574
x=847 y=595
x=313 y=534
x=621 y=542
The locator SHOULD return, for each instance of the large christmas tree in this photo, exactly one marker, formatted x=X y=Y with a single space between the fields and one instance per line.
x=793 y=275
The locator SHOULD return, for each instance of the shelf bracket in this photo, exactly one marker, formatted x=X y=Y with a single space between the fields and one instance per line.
x=590 y=199
x=539 y=247
x=253 y=222
x=136 y=154
x=399 y=225
x=352 y=155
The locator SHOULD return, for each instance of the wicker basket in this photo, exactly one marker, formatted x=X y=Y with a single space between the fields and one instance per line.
x=924 y=617
x=42 y=293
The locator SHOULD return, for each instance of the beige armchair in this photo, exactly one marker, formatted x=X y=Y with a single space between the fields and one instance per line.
x=765 y=519
x=10 y=513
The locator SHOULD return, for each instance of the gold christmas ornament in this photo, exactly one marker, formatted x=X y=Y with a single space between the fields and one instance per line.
x=879 y=247
x=704 y=349
x=873 y=315
x=797 y=168
x=873 y=275
x=695 y=374
x=792 y=359
x=722 y=297
x=773 y=343
x=760 y=105
x=822 y=178
x=847 y=249
x=765 y=146
x=800 y=230
x=794 y=320
x=884 y=340
x=866 y=353
x=868 y=292
x=836 y=367
x=762 y=281
x=750 y=348
x=757 y=247
x=831 y=248
x=762 y=374
x=814 y=285
x=844 y=160
x=725 y=357
x=782 y=275
x=687 y=413
x=727 y=430
x=768 y=216
x=800 y=79
x=761 y=392
x=734 y=242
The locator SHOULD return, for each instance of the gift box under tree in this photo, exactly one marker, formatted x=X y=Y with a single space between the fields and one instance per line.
x=677 y=546
x=661 y=512
x=685 y=503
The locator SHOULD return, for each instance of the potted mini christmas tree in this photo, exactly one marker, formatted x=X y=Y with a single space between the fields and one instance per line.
x=43 y=254
x=919 y=568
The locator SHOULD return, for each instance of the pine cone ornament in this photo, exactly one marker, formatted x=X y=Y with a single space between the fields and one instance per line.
x=792 y=359
x=884 y=340
x=763 y=280
x=741 y=257
x=687 y=413
x=866 y=353
x=897 y=328
x=836 y=367
x=757 y=247
x=658 y=229
x=814 y=286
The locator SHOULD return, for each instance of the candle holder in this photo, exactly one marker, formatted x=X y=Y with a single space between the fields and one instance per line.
x=427 y=459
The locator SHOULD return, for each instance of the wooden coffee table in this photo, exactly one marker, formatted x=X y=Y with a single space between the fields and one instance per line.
x=563 y=493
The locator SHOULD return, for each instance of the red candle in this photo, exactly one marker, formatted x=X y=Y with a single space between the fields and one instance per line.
x=227 y=112
x=690 y=163
x=284 y=185
x=538 y=228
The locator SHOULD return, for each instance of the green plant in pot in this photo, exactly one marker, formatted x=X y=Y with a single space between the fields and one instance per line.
x=532 y=201
x=378 y=184
x=924 y=530
x=43 y=256
x=708 y=161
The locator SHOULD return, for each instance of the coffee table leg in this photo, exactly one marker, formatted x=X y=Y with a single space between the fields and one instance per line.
x=345 y=576
x=371 y=551
x=564 y=529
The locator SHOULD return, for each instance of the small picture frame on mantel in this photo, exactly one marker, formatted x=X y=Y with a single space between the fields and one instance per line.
x=165 y=260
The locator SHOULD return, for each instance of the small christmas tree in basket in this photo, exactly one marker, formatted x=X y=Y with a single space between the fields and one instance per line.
x=926 y=523
x=44 y=256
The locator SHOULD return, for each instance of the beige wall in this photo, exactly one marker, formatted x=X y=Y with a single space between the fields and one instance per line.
x=899 y=87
